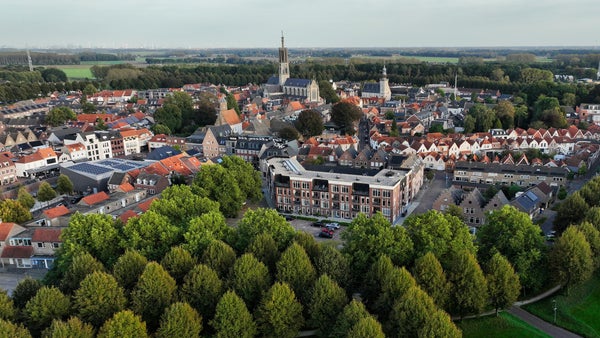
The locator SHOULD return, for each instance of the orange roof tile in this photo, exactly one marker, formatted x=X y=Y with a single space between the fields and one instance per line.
x=95 y=198
x=17 y=252
x=127 y=215
x=144 y=206
x=295 y=105
x=126 y=187
x=46 y=235
x=5 y=228
x=56 y=212
x=230 y=117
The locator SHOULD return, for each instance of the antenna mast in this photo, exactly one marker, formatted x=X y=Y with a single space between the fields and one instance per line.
x=29 y=61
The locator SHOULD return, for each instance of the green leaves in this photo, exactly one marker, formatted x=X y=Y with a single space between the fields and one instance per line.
x=124 y=324
x=98 y=298
x=154 y=291
x=232 y=318
x=279 y=313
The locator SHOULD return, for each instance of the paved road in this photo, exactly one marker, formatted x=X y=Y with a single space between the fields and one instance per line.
x=10 y=279
x=546 y=327
x=430 y=192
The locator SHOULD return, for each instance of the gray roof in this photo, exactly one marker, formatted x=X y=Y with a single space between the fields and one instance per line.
x=371 y=87
x=162 y=153
x=293 y=82
x=273 y=80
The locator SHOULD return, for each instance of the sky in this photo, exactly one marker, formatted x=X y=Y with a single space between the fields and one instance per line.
x=305 y=23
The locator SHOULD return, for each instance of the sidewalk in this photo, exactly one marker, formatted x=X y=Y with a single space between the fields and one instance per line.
x=552 y=330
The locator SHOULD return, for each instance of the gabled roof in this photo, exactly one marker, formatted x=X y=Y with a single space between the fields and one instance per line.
x=95 y=198
x=127 y=215
x=126 y=187
x=17 y=252
x=5 y=228
x=230 y=117
x=51 y=235
x=56 y=212
x=144 y=206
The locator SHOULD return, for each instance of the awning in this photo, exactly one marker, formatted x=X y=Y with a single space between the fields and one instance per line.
x=42 y=169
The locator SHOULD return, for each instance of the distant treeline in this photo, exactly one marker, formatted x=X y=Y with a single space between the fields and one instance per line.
x=20 y=58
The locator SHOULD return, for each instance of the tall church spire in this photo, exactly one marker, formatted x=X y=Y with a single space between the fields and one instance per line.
x=284 y=66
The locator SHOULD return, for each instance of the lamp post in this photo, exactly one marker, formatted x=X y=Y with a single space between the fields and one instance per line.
x=554 y=308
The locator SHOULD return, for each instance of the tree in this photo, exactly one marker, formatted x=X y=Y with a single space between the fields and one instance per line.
x=326 y=298
x=7 y=308
x=439 y=324
x=152 y=234
x=344 y=115
x=248 y=178
x=374 y=278
x=505 y=111
x=24 y=291
x=410 y=312
x=170 y=116
x=294 y=267
x=154 y=291
x=260 y=221
x=179 y=320
x=352 y=313
x=593 y=216
x=249 y=279
x=161 y=129
x=232 y=103
x=90 y=90
x=25 y=198
x=72 y=328
x=468 y=293
x=11 y=330
x=232 y=318
x=64 y=185
x=180 y=204
x=428 y=273
x=592 y=236
x=367 y=327
x=178 y=262
x=14 y=211
x=330 y=261
x=90 y=108
x=98 y=298
x=393 y=287
x=484 y=117
x=512 y=234
x=205 y=229
x=571 y=259
x=309 y=244
x=128 y=269
x=279 y=313
x=570 y=211
x=219 y=256
x=469 y=124
x=81 y=266
x=289 y=133
x=326 y=91
x=202 y=289
x=59 y=115
x=54 y=75
x=91 y=233
x=309 y=123
x=503 y=283
x=45 y=192
x=368 y=238
x=264 y=248
x=220 y=185
x=48 y=304
x=124 y=324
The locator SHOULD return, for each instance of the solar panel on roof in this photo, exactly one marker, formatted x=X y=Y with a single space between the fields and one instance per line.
x=531 y=196
x=90 y=168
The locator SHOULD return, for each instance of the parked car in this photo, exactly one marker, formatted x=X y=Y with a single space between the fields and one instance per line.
x=326 y=233
x=333 y=225
x=318 y=224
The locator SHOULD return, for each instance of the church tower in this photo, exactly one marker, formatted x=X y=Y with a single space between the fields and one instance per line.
x=284 y=66
x=384 y=86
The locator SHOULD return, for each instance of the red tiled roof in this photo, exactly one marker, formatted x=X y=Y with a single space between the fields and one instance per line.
x=17 y=252
x=144 y=206
x=56 y=212
x=46 y=235
x=5 y=228
x=95 y=198
x=127 y=215
x=126 y=187
x=230 y=117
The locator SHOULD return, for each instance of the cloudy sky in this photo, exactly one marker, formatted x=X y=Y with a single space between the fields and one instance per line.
x=306 y=23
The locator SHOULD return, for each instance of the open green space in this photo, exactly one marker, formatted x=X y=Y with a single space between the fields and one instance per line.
x=104 y=63
x=577 y=312
x=435 y=59
x=77 y=72
x=505 y=325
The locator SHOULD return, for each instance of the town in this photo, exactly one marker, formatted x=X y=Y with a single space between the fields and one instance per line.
x=329 y=151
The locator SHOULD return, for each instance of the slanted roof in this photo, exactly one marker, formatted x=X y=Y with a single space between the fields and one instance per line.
x=371 y=87
x=294 y=82
x=48 y=235
x=56 y=212
x=230 y=117
x=5 y=228
x=144 y=206
x=95 y=198
x=18 y=251
x=127 y=215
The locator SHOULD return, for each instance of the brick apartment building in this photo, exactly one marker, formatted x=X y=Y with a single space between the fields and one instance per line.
x=469 y=174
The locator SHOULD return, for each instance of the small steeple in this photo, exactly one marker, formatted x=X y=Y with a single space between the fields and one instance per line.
x=384 y=72
x=282 y=40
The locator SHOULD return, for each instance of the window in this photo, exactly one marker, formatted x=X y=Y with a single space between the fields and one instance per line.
x=40 y=245
x=55 y=245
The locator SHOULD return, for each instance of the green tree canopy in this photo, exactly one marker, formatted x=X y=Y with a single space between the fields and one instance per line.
x=571 y=258
x=468 y=293
x=25 y=198
x=124 y=324
x=248 y=178
x=503 y=283
x=352 y=313
x=326 y=298
x=344 y=115
x=249 y=279
x=202 y=289
x=154 y=291
x=11 y=330
x=289 y=133
x=374 y=279
x=205 y=229
x=59 y=115
x=220 y=185
x=512 y=234
x=47 y=304
x=439 y=324
x=72 y=328
x=179 y=320
x=505 y=111
x=7 y=307
x=592 y=236
x=232 y=318
x=410 y=312
x=14 y=211
x=279 y=313
x=64 y=185
x=219 y=256
x=180 y=204
x=98 y=298
x=152 y=234
x=178 y=262
x=368 y=238
x=160 y=129
x=170 y=116
x=326 y=91
x=262 y=220
x=330 y=261
x=24 y=291
x=309 y=123
x=54 y=75
x=81 y=266
x=128 y=269
x=264 y=248
x=570 y=211
x=393 y=287
x=294 y=267
x=92 y=232
x=309 y=244
x=367 y=327
x=45 y=192
x=429 y=274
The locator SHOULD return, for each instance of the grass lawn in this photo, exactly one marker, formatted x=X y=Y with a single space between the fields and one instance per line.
x=579 y=312
x=76 y=72
x=505 y=325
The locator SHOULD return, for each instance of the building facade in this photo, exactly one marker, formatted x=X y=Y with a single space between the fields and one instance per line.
x=469 y=174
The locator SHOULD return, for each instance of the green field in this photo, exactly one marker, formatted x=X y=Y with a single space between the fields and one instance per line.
x=435 y=59
x=77 y=72
x=103 y=63
x=579 y=312
x=505 y=325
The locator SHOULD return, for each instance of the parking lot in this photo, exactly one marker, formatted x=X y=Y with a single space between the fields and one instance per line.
x=307 y=227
